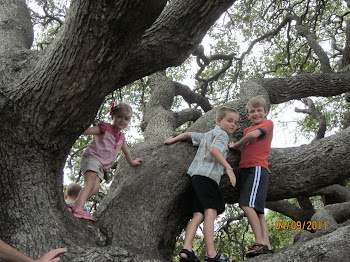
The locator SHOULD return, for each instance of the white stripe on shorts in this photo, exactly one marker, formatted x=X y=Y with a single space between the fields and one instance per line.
x=255 y=187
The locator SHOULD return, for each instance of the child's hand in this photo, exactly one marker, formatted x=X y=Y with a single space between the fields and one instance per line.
x=137 y=161
x=168 y=141
x=231 y=145
x=232 y=177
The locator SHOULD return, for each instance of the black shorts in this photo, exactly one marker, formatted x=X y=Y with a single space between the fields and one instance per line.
x=206 y=194
x=254 y=181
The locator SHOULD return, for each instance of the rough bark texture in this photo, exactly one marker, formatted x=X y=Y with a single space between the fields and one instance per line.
x=323 y=247
x=48 y=99
x=166 y=168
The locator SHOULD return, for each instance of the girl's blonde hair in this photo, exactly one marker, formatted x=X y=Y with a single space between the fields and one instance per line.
x=121 y=108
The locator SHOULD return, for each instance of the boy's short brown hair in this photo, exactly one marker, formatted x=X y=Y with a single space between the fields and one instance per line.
x=122 y=107
x=222 y=111
x=73 y=190
x=255 y=102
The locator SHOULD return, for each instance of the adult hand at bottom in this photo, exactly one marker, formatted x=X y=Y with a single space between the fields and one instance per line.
x=52 y=255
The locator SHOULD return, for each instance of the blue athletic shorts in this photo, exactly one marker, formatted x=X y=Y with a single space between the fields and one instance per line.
x=254 y=186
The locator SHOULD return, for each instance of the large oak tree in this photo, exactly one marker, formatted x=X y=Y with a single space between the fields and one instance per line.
x=49 y=98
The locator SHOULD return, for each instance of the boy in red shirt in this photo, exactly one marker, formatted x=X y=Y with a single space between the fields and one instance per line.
x=255 y=147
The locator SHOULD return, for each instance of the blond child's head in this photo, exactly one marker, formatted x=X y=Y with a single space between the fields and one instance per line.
x=256 y=102
x=121 y=116
x=121 y=108
x=72 y=192
x=256 y=110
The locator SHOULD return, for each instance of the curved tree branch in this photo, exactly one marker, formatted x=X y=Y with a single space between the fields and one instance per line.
x=334 y=194
x=333 y=214
x=192 y=97
x=189 y=114
x=199 y=53
x=296 y=87
x=286 y=208
x=312 y=111
x=159 y=122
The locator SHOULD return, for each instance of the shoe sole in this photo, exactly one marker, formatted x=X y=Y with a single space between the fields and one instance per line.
x=81 y=216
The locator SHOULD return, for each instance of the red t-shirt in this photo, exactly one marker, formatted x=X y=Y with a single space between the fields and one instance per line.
x=256 y=152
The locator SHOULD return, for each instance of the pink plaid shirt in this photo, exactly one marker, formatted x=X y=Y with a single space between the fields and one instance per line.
x=106 y=145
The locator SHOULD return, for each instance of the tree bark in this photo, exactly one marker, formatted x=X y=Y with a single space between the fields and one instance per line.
x=320 y=247
x=165 y=168
x=48 y=99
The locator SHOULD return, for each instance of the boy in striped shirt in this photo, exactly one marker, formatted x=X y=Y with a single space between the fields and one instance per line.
x=206 y=170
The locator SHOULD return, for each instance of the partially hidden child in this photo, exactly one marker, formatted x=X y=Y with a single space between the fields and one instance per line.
x=206 y=170
x=255 y=147
x=72 y=193
x=101 y=154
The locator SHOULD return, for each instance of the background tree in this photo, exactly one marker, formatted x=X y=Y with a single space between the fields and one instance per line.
x=53 y=95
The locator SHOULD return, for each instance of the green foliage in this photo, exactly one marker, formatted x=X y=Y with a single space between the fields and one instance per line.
x=286 y=53
x=47 y=18
x=334 y=109
x=279 y=237
x=280 y=53
x=233 y=240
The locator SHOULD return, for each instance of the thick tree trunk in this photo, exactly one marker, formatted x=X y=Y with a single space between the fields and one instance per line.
x=158 y=186
x=33 y=216
x=48 y=99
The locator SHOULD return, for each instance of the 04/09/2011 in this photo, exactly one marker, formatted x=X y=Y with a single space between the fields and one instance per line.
x=298 y=225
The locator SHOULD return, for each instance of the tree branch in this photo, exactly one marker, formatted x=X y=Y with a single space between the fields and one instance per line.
x=192 y=97
x=333 y=214
x=281 y=90
x=334 y=194
x=312 y=111
x=189 y=114
x=286 y=208
x=199 y=53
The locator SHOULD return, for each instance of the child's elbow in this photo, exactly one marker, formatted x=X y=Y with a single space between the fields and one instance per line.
x=188 y=135
x=213 y=150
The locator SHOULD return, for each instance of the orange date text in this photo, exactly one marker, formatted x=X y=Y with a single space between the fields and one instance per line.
x=300 y=225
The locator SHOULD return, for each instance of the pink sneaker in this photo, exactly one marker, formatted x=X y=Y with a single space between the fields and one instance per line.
x=82 y=214
x=71 y=207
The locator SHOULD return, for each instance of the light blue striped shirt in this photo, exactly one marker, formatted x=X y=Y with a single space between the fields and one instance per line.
x=204 y=163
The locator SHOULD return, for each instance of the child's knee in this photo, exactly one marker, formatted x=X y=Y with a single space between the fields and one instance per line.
x=198 y=217
x=95 y=191
x=244 y=208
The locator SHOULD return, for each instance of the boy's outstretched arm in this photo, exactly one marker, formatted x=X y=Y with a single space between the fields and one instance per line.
x=246 y=139
x=218 y=156
x=135 y=162
x=183 y=136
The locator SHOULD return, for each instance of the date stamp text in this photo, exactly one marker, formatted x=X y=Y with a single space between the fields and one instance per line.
x=300 y=225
